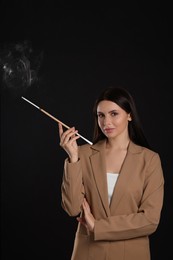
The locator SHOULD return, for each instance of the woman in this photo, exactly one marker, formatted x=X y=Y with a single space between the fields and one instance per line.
x=114 y=187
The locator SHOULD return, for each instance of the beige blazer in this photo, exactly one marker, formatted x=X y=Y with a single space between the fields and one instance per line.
x=122 y=228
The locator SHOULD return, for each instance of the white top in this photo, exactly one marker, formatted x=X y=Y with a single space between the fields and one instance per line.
x=111 y=180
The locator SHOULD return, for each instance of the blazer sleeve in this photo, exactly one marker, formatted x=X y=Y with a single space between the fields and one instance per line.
x=143 y=222
x=72 y=188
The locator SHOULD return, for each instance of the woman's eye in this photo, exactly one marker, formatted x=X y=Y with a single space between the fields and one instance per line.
x=100 y=115
x=114 y=114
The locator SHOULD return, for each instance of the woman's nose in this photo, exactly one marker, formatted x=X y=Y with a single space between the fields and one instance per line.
x=106 y=120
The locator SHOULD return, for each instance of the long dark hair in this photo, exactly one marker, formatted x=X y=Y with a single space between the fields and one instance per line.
x=122 y=98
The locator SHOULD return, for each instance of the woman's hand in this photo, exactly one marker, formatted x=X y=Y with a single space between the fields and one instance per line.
x=88 y=219
x=68 y=142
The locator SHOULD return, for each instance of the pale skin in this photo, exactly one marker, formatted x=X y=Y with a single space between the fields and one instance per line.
x=113 y=122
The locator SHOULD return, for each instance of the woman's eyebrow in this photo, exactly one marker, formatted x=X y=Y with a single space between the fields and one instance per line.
x=114 y=110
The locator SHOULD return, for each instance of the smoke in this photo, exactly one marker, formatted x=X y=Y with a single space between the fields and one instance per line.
x=20 y=66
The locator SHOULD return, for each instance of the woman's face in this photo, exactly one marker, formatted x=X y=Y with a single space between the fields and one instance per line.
x=112 y=119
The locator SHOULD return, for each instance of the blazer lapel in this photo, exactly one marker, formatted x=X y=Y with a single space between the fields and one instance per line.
x=99 y=171
x=126 y=175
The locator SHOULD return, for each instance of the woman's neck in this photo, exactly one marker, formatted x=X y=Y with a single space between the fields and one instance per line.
x=118 y=143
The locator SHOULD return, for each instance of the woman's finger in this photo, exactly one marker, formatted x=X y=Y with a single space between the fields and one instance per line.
x=65 y=136
x=60 y=129
x=69 y=136
x=86 y=205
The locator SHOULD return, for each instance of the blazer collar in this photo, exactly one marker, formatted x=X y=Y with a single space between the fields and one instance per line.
x=99 y=171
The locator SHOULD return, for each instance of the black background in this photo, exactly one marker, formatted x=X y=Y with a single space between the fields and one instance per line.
x=85 y=50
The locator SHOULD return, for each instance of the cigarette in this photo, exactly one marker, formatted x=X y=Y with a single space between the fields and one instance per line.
x=54 y=118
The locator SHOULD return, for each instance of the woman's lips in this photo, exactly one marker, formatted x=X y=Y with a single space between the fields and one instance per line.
x=108 y=130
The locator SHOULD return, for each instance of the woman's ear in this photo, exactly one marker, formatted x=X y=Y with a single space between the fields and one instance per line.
x=129 y=117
